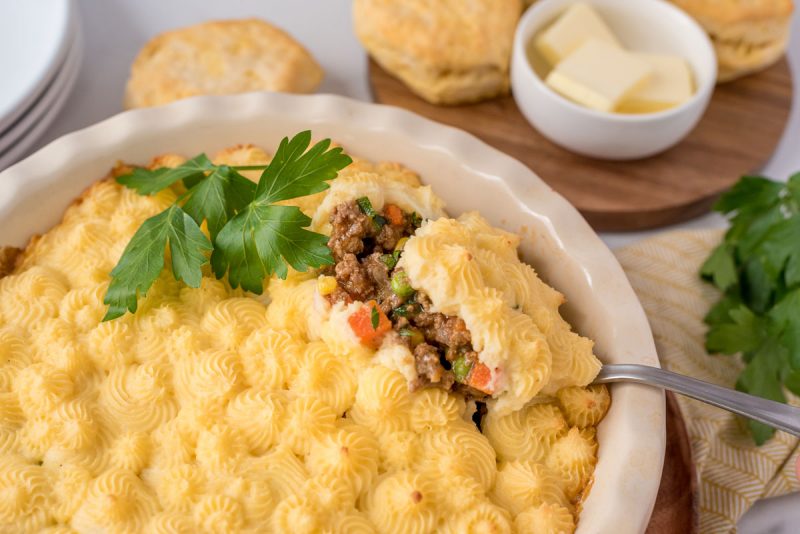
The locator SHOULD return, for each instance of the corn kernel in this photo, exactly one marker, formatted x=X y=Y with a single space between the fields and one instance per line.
x=326 y=285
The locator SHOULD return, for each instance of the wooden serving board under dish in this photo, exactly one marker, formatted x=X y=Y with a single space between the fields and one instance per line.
x=737 y=135
x=674 y=510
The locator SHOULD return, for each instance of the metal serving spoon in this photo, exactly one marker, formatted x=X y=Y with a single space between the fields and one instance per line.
x=775 y=414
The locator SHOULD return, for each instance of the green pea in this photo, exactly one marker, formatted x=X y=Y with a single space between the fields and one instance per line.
x=461 y=368
x=401 y=285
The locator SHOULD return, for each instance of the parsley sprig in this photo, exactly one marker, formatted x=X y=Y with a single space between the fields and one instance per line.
x=251 y=237
x=757 y=267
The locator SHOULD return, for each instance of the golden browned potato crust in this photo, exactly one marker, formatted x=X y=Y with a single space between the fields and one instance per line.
x=13 y=258
x=8 y=260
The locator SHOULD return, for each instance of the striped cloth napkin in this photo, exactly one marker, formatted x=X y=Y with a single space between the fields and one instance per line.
x=733 y=473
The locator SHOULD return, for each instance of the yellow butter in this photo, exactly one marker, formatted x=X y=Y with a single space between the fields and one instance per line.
x=670 y=85
x=599 y=75
x=578 y=24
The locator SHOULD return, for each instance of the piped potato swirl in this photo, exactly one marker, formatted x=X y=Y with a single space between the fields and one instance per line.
x=214 y=409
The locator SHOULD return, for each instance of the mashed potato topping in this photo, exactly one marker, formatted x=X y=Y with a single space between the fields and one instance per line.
x=472 y=270
x=215 y=410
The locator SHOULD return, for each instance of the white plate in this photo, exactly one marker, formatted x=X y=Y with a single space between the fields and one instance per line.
x=34 y=35
x=465 y=172
x=15 y=142
x=44 y=102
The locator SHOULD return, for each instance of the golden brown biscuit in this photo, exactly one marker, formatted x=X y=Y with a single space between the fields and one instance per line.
x=748 y=35
x=222 y=57
x=448 y=51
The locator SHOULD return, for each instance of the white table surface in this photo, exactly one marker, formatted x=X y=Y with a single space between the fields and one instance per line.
x=116 y=29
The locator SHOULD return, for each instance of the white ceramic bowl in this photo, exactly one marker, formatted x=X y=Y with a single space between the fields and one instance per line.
x=465 y=172
x=643 y=25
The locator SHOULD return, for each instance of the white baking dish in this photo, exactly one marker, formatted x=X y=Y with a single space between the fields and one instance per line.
x=465 y=172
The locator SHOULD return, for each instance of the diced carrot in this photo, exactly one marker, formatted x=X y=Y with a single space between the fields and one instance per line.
x=362 y=324
x=480 y=378
x=394 y=214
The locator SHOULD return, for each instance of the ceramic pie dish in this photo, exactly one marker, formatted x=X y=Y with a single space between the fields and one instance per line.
x=465 y=172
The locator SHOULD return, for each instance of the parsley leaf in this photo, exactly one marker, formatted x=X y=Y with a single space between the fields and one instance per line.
x=792 y=382
x=149 y=182
x=261 y=239
x=763 y=377
x=719 y=312
x=143 y=259
x=251 y=237
x=720 y=268
x=218 y=198
x=781 y=250
x=750 y=193
x=785 y=317
x=793 y=186
x=742 y=331
x=757 y=267
x=293 y=172
x=756 y=286
x=255 y=243
x=753 y=205
x=375 y=318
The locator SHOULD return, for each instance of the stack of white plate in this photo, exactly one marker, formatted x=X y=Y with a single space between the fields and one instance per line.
x=40 y=56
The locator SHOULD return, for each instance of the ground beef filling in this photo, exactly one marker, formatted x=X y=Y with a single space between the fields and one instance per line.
x=366 y=245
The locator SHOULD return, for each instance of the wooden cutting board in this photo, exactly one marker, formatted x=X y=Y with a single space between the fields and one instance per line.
x=674 y=510
x=737 y=135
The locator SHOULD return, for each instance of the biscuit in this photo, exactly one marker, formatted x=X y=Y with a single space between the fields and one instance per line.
x=448 y=51
x=748 y=35
x=220 y=57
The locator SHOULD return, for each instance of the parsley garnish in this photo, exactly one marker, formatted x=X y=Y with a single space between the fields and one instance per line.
x=251 y=236
x=375 y=318
x=757 y=267
x=147 y=182
x=143 y=258
x=378 y=220
x=366 y=207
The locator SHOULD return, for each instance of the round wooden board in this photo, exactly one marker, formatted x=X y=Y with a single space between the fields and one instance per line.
x=737 y=135
x=674 y=510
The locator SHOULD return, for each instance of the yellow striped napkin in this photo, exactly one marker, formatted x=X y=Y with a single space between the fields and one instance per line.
x=733 y=472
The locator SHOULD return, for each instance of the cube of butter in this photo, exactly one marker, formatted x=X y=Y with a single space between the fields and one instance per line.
x=599 y=75
x=670 y=85
x=578 y=24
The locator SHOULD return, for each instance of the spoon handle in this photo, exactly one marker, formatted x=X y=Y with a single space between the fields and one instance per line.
x=775 y=414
